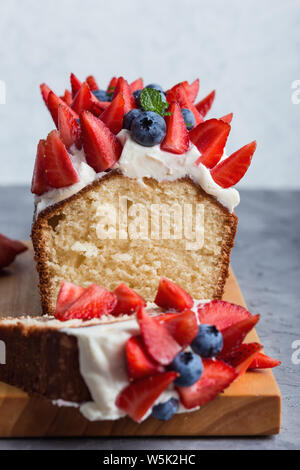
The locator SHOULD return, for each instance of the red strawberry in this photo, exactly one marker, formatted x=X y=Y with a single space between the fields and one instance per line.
x=69 y=128
x=230 y=171
x=234 y=335
x=39 y=184
x=98 y=107
x=262 y=361
x=113 y=115
x=194 y=90
x=67 y=295
x=227 y=118
x=59 y=168
x=180 y=93
x=75 y=84
x=93 y=303
x=9 y=249
x=210 y=138
x=139 y=364
x=160 y=345
x=242 y=357
x=67 y=97
x=137 y=398
x=128 y=300
x=171 y=296
x=91 y=81
x=215 y=378
x=123 y=87
x=136 y=85
x=53 y=104
x=83 y=99
x=102 y=148
x=112 y=85
x=183 y=327
x=45 y=90
x=204 y=105
x=177 y=136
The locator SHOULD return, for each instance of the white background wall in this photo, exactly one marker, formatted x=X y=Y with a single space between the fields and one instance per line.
x=247 y=49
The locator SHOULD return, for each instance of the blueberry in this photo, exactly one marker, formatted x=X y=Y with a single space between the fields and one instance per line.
x=129 y=117
x=148 y=128
x=189 y=366
x=101 y=95
x=208 y=342
x=136 y=95
x=155 y=87
x=188 y=117
x=165 y=411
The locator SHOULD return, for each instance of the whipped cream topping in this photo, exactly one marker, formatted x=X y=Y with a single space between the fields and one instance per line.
x=140 y=162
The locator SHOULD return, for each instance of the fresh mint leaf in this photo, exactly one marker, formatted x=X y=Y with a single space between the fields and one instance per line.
x=151 y=100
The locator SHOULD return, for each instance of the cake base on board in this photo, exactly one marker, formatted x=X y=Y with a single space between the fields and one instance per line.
x=251 y=406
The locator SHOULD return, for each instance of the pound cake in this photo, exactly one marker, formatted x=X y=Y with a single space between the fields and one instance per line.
x=134 y=185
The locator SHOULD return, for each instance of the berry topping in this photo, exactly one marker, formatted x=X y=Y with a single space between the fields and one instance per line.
x=139 y=363
x=208 y=342
x=67 y=295
x=113 y=115
x=59 y=168
x=67 y=97
x=228 y=118
x=83 y=99
x=189 y=367
x=129 y=117
x=102 y=148
x=171 y=296
x=45 y=90
x=9 y=249
x=111 y=86
x=101 y=95
x=242 y=357
x=123 y=87
x=39 y=184
x=136 y=85
x=183 y=327
x=210 y=138
x=165 y=411
x=154 y=86
x=177 y=137
x=231 y=170
x=140 y=396
x=137 y=95
x=91 y=81
x=128 y=301
x=180 y=93
x=189 y=118
x=193 y=90
x=204 y=105
x=148 y=128
x=53 y=103
x=75 y=84
x=68 y=127
x=262 y=361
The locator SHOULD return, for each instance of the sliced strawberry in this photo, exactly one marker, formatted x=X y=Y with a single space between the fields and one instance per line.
x=136 y=85
x=215 y=378
x=98 y=107
x=112 y=85
x=59 y=168
x=171 y=296
x=204 y=105
x=139 y=363
x=91 y=81
x=231 y=170
x=114 y=114
x=95 y=302
x=102 y=148
x=160 y=345
x=53 y=104
x=137 y=398
x=39 y=184
x=180 y=93
x=83 y=99
x=242 y=357
x=9 y=249
x=210 y=138
x=75 y=84
x=68 y=294
x=67 y=97
x=194 y=90
x=177 y=136
x=228 y=118
x=45 y=90
x=234 y=335
x=262 y=361
x=69 y=128
x=183 y=327
x=123 y=87
x=128 y=300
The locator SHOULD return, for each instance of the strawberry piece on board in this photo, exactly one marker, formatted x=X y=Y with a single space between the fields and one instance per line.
x=67 y=295
x=138 y=84
x=123 y=88
x=112 y=85
x=53 y=103
x=177 y=137
x=242 y=357
x=262 y=361
x=67 y=97
x=9 y=249
x=234 y=335
x=193 y=90
x=137 y=398
x=91 y=81
x=102 y=148
x=204 y=105
x=75 y=84
x=210 y=138
x=45 y=90
x=128 y=301
x=231 y=170
x=227 y=118
x=39 y=184
x=59 y=168
x=139 y=363
x=68 y=127
x=171 y=296
x=183 y=327
x=215 y=378
x=160 y=345
x=114 y=114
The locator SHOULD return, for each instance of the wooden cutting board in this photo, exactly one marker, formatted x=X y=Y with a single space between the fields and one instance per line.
x=251 y=406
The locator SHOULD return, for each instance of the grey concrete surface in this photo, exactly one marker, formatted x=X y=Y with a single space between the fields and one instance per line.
x=266 y=259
